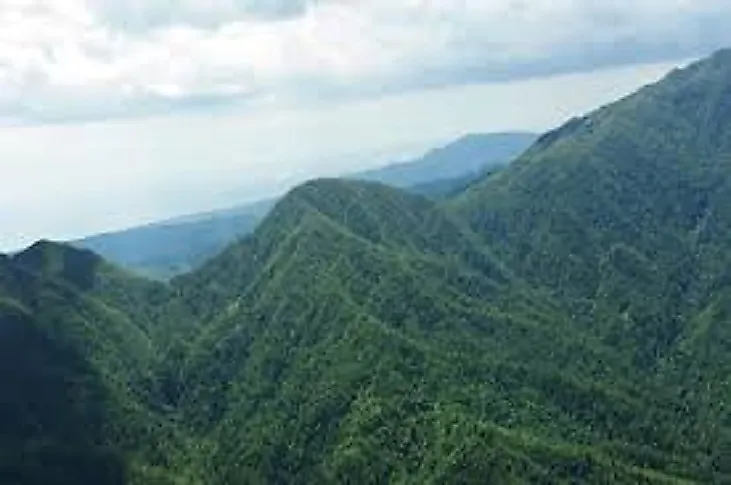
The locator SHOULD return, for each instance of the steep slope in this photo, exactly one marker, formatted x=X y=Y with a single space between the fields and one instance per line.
x=627 y=209
x=44 y=435
x=379 y=214
x=650 y=170
x=626 y=205
x=372 y=338
x=76 y=370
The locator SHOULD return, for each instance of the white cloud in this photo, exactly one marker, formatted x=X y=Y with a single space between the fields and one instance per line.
x=67 y=58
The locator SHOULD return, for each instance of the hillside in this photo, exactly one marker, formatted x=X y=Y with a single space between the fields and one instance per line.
x=562 y=320
x=166 y=249
x=625 y=206
x=401 y=335
x=77 y=363
x=626 y=209
x=404 y=335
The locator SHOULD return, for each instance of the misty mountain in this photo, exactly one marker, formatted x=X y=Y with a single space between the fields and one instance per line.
x=465 y=157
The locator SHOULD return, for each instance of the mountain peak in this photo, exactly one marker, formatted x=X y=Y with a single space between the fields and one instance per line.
x=325 y=184
x=722 y=55
x=59 y=260
x=333 y=195
x=46 y=251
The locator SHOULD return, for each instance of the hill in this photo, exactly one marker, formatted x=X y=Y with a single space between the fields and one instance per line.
x=77 y=363
x=624 y=206
x=563 y=320
x=163 y=250
x=363 y=363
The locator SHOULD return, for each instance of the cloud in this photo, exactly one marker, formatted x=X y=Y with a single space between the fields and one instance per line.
x=65 y=59
x=141 y=15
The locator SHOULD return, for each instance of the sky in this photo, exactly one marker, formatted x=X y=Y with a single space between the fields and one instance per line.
x=119 y=113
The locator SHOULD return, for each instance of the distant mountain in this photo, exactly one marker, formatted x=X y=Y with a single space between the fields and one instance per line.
x=562 y=320
x=163 y=250
x=464 y=157
x=446 y=188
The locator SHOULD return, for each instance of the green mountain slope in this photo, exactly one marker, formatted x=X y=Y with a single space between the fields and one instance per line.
x=77 y=364
x=563 y=320
x=625 y=207
x=349 y=327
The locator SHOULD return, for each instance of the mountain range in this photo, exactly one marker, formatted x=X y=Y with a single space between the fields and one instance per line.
x=166 y=249
x=562 y=320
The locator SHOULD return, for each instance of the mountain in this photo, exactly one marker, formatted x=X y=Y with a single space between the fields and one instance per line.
x=375 y=342
x=77 y=363
x=450 y=187
x=163 y=250
x=562 y=320
x=466 y=156
x=624 y=206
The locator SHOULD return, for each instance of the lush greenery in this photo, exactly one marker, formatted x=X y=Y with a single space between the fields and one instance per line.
x=563 y=320
x=171 y=248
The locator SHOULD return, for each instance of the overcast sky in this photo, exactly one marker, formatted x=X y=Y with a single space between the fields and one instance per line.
x=119 y=112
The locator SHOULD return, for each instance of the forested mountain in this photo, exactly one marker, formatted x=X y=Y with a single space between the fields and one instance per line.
x=77 y=373
x=562 y=320
x=166 y=249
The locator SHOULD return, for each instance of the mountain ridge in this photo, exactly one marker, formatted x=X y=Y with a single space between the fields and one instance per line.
x=170 y=248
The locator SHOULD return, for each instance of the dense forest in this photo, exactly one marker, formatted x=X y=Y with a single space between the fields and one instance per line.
x=562 y=320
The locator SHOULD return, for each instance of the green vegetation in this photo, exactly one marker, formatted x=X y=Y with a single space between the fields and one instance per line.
x=563 y=320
